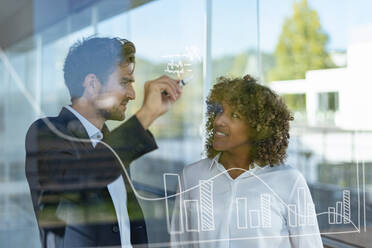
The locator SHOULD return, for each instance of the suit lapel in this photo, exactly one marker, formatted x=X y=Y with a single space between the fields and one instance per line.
x=75 y=127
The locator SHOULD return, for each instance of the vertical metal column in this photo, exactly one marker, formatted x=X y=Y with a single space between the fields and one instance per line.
x=259 y=66
x=38 y=74
x=207 y=61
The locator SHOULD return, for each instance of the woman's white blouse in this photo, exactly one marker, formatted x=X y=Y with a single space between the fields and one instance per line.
x=263 y=207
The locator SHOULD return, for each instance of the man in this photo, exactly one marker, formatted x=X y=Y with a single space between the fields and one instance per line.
x=74 y=166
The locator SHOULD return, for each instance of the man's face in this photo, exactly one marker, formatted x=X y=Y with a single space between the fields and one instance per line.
x=230 y=131
x=114 y=95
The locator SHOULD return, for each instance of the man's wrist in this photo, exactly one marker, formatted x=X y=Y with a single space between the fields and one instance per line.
x=145 y=117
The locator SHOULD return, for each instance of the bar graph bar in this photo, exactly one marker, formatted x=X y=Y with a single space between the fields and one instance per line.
x=241 y=213
x=292 y=215
x=254 y=218
x=311 y=216
x=346 y=208
x=301 y=204
x=266 y=210
x=339 y=212
x=206 y=205
x=192 y=207
x=169 y=179
x=331 y=215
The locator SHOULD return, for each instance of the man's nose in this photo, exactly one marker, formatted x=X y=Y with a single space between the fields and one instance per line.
x=131 y=94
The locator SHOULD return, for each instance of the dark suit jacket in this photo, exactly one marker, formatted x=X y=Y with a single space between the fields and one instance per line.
x=68 y=181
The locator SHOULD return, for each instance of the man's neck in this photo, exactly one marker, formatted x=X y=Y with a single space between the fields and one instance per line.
x=87 y=110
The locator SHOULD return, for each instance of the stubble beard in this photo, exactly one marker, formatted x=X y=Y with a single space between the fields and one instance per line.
x=113 y=114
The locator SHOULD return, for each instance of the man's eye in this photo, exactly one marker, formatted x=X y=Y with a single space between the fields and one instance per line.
x=124 y=82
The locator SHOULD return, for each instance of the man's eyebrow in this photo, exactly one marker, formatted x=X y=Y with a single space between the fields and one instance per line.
x=127 y=79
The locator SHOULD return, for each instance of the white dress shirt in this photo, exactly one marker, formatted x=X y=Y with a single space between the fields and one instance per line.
x=116 y=189
x=263 y=207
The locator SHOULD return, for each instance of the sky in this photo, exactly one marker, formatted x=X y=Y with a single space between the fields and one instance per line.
x=166 y=26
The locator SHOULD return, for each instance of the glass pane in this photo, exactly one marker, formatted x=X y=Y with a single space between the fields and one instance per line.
x=234 y=39
x=177 y=52
x=315 y=54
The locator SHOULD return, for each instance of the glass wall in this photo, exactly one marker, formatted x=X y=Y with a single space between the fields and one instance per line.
x=310 y=55
x=301 y=49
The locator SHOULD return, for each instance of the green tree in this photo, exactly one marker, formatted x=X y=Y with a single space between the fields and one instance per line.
x=301 y=46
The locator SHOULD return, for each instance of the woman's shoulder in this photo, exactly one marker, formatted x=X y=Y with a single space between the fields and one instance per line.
x=286 y=171
x=284 y=176
x=201 y=164
x=198 y=167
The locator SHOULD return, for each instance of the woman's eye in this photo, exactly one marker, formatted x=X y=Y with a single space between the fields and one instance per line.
x=235 y=115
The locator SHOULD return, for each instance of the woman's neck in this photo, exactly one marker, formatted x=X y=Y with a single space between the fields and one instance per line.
x=235 y=160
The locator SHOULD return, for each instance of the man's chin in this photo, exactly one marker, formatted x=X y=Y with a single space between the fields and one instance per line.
x=117 y=118
x=114 y=116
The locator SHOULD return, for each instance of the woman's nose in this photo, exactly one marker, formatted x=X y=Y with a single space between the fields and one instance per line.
x=220 y=120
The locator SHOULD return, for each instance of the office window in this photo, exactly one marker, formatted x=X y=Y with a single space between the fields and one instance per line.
x=328 y=101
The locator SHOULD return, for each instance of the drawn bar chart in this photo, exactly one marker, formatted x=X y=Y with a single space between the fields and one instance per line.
x=257 y=217
x=301 y=213
x=342 y=212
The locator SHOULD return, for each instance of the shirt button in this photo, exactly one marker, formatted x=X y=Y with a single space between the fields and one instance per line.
x=115 y=229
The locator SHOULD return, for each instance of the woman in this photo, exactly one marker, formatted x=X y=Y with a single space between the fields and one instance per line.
x=242 y=195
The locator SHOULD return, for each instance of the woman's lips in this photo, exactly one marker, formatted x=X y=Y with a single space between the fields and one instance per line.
x=220 y=134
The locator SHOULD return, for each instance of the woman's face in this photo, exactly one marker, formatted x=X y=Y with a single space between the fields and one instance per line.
x=230 y=131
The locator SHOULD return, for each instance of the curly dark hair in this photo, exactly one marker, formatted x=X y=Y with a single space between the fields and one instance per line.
x=264 y=112
x=97 y=55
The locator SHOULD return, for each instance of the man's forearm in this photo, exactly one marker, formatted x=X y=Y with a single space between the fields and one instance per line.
x=145 y=117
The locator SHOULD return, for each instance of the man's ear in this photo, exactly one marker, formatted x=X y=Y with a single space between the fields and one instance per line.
x=91 y=84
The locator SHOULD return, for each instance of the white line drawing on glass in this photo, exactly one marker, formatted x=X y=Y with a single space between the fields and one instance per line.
x=301 y=201
x=241 y=210
x=331 y=215
x=175 y=229
x=310 y=216
x=177 y=67
x=179 y=64
x=292 y=215
x=339 y=212
x=254 y=218
x=346 y=206
x=192 y=206
x=342 y=212
x=17 y=80
x=266 y=210
x=206 y=205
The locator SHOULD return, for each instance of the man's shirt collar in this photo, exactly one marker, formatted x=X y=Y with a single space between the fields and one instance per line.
x=94 y=133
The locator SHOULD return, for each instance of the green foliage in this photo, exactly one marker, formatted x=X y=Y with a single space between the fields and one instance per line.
x=301 y=46
x=297 y=102
x=243 y=63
